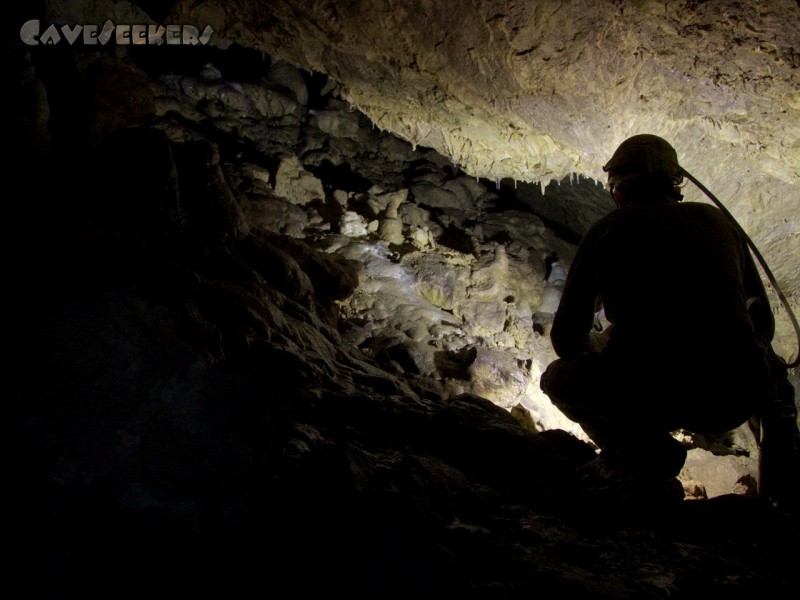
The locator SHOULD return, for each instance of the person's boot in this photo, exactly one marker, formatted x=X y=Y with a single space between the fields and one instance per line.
x=655 y=454
x=635 y=477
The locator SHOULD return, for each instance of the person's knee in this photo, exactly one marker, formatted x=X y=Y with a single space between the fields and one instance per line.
x=546 y=380
x=574 y=377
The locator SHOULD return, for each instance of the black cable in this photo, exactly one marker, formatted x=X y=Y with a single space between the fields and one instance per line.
x=761 y=260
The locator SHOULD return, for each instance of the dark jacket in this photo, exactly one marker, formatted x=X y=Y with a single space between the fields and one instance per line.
x=674 y=279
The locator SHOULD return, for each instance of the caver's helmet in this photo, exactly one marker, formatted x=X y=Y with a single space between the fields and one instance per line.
x=644 y=155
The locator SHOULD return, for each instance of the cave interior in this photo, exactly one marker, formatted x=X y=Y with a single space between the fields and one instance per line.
x=280 y=310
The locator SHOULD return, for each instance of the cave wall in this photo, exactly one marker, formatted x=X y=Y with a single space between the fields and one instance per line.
x=535 y=91
x=458 y=276
x=190 y=414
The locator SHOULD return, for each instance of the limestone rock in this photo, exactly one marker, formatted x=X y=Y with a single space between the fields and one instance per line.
x=537 y=91
x=295 y=183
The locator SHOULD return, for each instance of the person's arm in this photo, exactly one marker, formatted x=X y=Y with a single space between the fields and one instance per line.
x=758 y=305
x=574 y=317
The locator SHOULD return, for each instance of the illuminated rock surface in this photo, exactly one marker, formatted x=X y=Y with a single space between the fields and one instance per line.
x=537 y=91
x=260 y=341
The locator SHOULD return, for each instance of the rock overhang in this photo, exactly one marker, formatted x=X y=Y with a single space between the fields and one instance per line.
x=535 y=92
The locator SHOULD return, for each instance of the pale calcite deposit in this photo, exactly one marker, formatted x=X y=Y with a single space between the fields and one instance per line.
x=534 y=91
x=463 y=322
x=514 y=91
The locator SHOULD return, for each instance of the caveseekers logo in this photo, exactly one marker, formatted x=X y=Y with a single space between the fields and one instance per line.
x=124 y=35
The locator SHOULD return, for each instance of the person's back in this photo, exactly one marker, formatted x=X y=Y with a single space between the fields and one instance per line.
x=672 y=268
x=674 y=280
x=671 y=277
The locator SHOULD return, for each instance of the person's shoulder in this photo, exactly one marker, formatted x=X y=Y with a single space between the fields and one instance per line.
x=610 y=217
x=708 y=217
x=605 y=225
x=698 y=207
x=602 y=224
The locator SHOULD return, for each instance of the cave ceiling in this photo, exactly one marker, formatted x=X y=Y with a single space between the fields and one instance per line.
x=534 y=91
x=257 y=344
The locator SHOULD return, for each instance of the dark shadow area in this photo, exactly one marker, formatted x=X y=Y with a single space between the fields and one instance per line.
x=568 y=207
x=340 y=177
x=456 y=239
x=236 y=63
x=455 y=364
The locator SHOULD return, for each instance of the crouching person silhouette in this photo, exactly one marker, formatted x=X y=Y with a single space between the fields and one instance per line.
x=675 y=280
